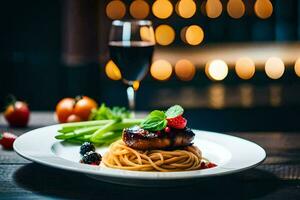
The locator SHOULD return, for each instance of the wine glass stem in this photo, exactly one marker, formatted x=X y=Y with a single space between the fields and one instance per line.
x=131 y=98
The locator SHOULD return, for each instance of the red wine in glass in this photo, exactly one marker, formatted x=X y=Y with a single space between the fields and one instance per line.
x=133 y=58
x=131 y=46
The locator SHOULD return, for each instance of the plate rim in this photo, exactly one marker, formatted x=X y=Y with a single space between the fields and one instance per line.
x=64 y=164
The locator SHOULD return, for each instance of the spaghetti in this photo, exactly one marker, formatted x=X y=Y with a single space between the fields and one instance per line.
x=120 y=156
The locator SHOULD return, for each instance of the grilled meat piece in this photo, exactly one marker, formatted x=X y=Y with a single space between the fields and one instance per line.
x=141 y=139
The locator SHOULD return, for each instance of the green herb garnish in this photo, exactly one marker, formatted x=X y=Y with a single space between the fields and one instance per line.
x=174 y=111
x=157 y=120
x=115 y=113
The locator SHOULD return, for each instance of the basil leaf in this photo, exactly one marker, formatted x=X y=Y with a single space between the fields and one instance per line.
x=157 y=113
x=155 y=121
x=154 y=124
x=174 y=111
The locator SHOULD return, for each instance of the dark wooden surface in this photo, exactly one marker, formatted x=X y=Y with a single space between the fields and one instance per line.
x=277 y=178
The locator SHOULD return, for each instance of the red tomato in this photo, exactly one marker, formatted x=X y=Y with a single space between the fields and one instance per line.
x=17 y=114
x=74 y=110
x=84 y=106
x=7 y=140
x=73 y=118
x=64 y=109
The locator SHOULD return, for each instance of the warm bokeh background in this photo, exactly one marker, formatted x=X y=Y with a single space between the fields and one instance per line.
x=234 y=64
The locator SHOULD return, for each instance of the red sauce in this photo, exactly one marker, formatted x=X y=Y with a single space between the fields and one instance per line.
x=207 y=165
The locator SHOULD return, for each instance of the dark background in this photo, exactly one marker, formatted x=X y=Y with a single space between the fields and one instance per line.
x=39 y=64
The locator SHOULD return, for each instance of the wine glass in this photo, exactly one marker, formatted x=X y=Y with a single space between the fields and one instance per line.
x=131 y=46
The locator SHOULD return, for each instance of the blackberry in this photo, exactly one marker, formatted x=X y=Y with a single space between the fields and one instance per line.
x=86 y=147
x=91 y=158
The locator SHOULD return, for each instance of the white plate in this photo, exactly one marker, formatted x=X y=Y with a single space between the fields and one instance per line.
x=231 y=154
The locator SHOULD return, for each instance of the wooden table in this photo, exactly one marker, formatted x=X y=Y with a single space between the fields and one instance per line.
x=277 y=178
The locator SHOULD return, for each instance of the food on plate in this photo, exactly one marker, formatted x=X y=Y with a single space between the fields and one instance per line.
x=91 y=158
x=17 y=113
x=106 y=126
x=7 y=140
x=169 y=138
x=75 y=109
x=162 y=142
x=89 y=155
x=86 y=147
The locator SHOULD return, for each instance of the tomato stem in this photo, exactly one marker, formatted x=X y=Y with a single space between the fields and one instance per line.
x=76 y=99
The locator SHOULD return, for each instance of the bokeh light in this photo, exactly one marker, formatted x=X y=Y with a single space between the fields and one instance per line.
x=162 y=9
x=213 y=8
x=164 y=34
x=274 y=68
x=186 y=8
x=297 y=67
x=247 y=94
x=115 y=9
x=194 y=35
x=245 y=68
x=136 y=85
x=185 y=70
x=203 y=7
x=147 y=34
x=112 y=71
x=235 y=8
x=263 y=8
x=216 y=70
x=161 y=70
x=216 y=95
x=275 y=95
x=182 y=34
x=139 y=9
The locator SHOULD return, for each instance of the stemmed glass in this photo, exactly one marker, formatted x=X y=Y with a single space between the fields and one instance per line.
x=131 y=46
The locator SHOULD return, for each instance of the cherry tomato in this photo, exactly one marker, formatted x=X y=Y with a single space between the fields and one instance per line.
x=73 y=118
x=83 y=107
x=64 y=109
x=17 y=114
x=75 y=109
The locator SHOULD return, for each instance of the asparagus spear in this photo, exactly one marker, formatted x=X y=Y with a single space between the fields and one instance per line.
x=78 y=132
x=113 y=126
x=100 y=132
x=68 y=127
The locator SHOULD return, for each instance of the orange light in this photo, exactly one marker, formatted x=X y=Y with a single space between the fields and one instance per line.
x=164 y=34
x=216 y=70
x=112 y=71
x=245 y=68
x=236 y=8
x=297 y=67
x=161 y=70
x=182 y=34
x=186 y=8
x=139 y=9
x=246 y=91
x=194 y=35
x=216 y=95
x=115 y=9
x=147 y=34
x=162 y=9
x=185 y=70
x=136 y=85
x=274 y=68
x=213 y=8
x=263 y=8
